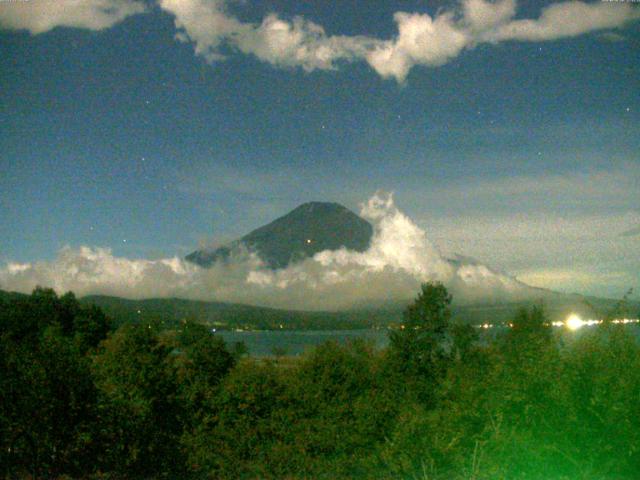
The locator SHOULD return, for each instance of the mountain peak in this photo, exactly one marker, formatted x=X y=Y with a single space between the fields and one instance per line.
x=310 y=206
x=306 y=230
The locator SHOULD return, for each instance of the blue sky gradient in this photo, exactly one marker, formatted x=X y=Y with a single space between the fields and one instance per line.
x=124 y=138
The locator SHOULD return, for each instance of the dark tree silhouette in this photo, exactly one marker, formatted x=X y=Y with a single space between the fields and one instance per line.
x=417 y=347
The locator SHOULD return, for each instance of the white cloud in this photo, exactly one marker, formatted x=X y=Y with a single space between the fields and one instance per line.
x=398 y=244
x=96 y=270
x=205 y=23
x=537 y=247
x=399 y=259
x=575 y=222
x=422 y=40
x=39 y=16
x=585 y=254
x=481 y=15
x=570 y=280
x=568 y=19
x=299 y=43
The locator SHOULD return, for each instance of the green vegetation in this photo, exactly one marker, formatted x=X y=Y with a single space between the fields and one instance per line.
x=82 y=399
x=170 y=312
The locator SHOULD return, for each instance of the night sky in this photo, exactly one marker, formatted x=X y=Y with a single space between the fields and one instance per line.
x=514 y=141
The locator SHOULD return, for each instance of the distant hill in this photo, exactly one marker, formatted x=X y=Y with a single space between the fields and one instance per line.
x=222 y=315
x=310 y=228
x=4 y=295
x=232 y=316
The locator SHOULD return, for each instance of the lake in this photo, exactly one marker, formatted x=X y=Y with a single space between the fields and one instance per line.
x=295 y=342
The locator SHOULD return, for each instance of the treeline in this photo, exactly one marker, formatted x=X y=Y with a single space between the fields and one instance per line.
x=170 y=312
x=81 y=400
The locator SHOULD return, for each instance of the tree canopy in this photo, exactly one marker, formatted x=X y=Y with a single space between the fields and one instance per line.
x=79 y=399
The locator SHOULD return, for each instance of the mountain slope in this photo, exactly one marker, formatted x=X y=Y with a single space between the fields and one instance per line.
x=229 y=316
x=310 y=228
x=170 y=312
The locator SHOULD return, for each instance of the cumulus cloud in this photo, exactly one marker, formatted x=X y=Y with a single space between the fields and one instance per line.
x=571 y=280
x=39 y=16
x=575 y=222
x=400 y=257
x=422 y=39
x=481 y=15
x=205 y=23
x=96 y=270
x=301 y=43
x=296 y=43
x=549 y=249
x=568 y=19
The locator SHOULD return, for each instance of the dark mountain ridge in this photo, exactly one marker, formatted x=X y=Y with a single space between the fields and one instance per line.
x=308 y=229
x=228 y=316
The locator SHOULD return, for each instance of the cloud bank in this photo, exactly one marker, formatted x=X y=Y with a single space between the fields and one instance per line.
x=400 y=257
x=422 y=39
x=39 y=16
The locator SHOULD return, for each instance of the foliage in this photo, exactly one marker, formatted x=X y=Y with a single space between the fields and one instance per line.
x=48 y=396
x=79 y=400
x=417 y=349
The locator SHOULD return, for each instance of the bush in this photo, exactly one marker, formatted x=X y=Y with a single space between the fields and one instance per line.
x=143 y=402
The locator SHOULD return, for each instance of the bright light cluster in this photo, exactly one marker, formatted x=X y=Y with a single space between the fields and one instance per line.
x=574 y=322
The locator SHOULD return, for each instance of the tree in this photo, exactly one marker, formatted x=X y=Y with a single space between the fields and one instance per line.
x=138 y=405
x=47 y=397
x=463 y=337
x=530 y=335
x=417 y=348
x=201 y=360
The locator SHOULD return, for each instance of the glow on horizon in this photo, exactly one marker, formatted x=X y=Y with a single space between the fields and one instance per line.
x=574 y=322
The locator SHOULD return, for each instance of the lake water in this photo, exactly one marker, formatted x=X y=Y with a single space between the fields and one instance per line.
x=295 y=342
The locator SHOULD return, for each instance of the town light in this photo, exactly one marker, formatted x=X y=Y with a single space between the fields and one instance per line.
x=574 y=322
